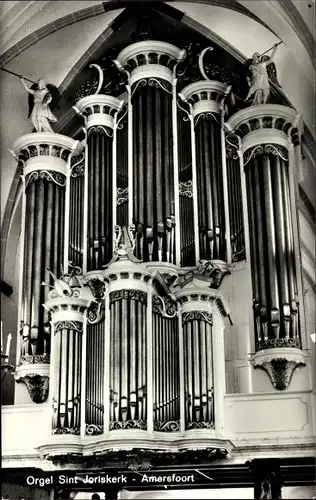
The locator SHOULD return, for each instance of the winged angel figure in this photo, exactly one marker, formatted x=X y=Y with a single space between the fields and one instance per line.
x=42 y=99
x=260 y=71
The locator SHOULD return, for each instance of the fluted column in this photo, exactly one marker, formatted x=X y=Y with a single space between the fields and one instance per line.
x=44 y=158
x=100 y=114
x=67 y=303
x=209 y=177
x=266 y=134
x=152 y=162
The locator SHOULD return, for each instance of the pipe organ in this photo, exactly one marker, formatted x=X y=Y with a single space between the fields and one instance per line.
x=146 y=221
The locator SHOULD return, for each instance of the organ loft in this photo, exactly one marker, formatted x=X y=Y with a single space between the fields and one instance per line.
x=159 y=271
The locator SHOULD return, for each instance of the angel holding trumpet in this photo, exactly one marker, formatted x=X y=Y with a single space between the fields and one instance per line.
x=42 y=99
x=260 y=71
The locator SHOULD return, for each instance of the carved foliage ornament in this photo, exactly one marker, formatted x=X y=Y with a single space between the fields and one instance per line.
x=164 y=306
x=93 y=429
x=37 y=386
x=55 y=177
x=265 y=150
x=95 y=312
x=280 y=370
x=128 y=294
x=129 y=424
x=153 y=82
x=186 y=189
x=27 y=359
x=172 y=426
x=77 y=166
x=68 y=325
x=197 y=316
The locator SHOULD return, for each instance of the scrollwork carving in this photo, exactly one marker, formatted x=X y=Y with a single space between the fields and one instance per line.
x=186 y=189
x=265 y=150
x=128 y=294
x=67 y=430
x=77 y=166
x=129 y=424
x=55 y=177
x=200 y=425
x=197 y=315
x=164 y=306
x=27 y=359
x=93 y=429
x=121 y=196
x=172 y=426
x=68 y=325
x=99 y=129
x=95 y=312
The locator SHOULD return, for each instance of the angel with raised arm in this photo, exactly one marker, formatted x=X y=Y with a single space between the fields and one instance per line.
x=42 y=99
x=260 y=72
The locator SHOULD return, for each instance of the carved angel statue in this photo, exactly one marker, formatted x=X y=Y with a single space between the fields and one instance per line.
x=42 y=99
x=260 y=71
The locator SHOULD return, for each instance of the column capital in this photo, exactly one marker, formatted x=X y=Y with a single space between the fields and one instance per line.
x=43 y=152
x=149 y=59
x=205 y=96
x=98 y=110
x=265 y=124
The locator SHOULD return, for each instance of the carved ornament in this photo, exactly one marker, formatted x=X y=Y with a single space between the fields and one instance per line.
x=37 y=386
x=279 y=364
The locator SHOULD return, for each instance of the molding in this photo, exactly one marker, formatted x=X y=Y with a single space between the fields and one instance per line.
x=264 y=136
x=148 y=47
x=39 y=138
x=154 y=71
x=275 y=111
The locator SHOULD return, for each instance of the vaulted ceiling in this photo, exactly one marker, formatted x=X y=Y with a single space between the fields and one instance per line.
x=56 y=39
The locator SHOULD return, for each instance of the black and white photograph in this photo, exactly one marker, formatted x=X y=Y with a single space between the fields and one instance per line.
x=158 y=249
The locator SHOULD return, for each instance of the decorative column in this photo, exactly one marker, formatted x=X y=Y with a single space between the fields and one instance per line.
x=201 y=308
x=67 y=304
x=266 y=133
x=44 y=158
x=150 y=67
x=100 y=113
x=206 y=100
